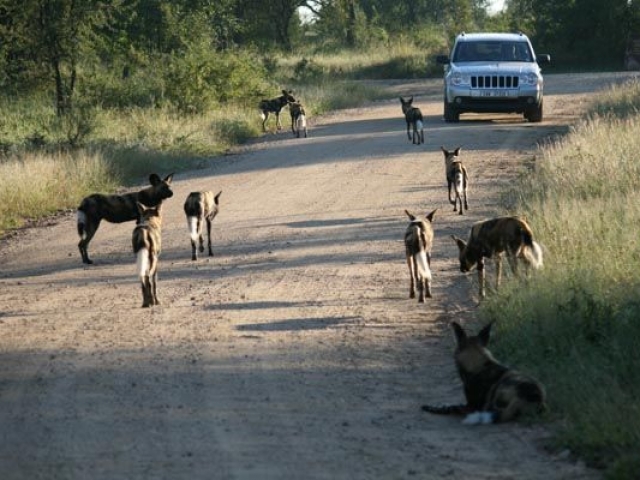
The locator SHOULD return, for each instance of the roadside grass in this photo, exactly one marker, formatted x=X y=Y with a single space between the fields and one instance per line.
x=576 y=323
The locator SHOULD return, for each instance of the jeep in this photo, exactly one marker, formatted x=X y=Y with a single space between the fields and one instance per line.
x=493 y=72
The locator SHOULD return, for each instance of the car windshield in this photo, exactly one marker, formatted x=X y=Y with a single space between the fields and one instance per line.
x=492 y=51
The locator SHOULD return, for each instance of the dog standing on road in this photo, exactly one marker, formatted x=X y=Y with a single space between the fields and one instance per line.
x=418 y=241
x=298 y=119
x=275 y=105
x=146 y=241
x=491 y=238
x=457 y=178
x=200 y=207
x=413 y=117
x=117 y=209
x=494 y=392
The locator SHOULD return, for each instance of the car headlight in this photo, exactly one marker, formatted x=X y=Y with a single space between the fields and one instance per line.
x=530 y=79
x=458 y=79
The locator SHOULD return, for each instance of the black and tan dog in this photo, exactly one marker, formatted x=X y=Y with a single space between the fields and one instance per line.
x=490 y=239
x=418 y=241
x=413 y=117
x=494 y=392
x=275 y=106
x=146 y=241
x=298 y=119
x=457 y=178
x=201 y=207
x=117 y=209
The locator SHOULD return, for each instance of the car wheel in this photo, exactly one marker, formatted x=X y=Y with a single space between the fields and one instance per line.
x=451 y=114
x=535 y=114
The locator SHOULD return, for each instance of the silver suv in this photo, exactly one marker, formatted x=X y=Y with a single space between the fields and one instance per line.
x=493 y=72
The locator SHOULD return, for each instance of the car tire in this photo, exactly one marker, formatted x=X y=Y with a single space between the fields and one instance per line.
x=535 y=114
x=451 y=114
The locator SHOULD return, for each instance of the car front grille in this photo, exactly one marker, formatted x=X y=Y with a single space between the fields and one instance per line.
x=494 y=81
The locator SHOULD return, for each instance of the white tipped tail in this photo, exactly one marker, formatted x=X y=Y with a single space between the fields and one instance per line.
x=424 y=272
x=419 y=125
x=535 y=255
x=142 y=262
x=302 y=122
x=192 y=223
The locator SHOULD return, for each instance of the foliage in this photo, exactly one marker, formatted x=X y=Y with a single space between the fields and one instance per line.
x=575 y=323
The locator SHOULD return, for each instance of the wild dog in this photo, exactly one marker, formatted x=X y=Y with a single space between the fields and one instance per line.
x=494 y=393
x=275 y=105
x=117 y=209
x=147 y=242
x=457 y=178
x=200 y=207
x=414 y=119
x=491 y=238
x=298 y=119
x=418 y=241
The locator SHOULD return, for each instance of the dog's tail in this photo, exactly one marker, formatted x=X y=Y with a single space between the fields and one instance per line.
x=419 y=125
x=192 y=223
x=142 y=262
x=531 y=250
x=417 y=244
x=82 y=221
x=447 y=409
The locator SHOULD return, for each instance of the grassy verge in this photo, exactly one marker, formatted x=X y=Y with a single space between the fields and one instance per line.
x=576 y=324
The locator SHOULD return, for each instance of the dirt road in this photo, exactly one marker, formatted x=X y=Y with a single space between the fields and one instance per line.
x=295 y=352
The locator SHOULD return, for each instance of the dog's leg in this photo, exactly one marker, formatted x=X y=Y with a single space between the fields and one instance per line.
x=90 y=229
x=265 y=117
x=465 y=179
x=412 y=275
x=481 y=277
x=498 y=270
x=146 y=291
x=449 y=188
x=153 y=280
x=209 y=237
x=278 y=122
x=200 y=238
x=408 y=129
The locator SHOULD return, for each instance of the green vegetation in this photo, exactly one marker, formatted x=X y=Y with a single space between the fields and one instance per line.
x=577 y=323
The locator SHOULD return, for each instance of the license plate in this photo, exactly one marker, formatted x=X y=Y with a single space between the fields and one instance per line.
x=494 y=93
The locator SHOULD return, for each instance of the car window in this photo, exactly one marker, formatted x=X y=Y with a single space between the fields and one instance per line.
x=492 y=51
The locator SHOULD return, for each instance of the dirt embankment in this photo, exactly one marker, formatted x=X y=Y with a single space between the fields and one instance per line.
x=295 y=351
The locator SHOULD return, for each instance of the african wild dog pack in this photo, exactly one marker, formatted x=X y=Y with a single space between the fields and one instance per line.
x=494 y=393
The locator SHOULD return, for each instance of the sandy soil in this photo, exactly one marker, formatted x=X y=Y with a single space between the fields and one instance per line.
x=295 y=352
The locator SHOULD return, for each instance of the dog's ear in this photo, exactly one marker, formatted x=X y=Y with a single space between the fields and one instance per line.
x=461 y=335
x=411 y=216
x=168 y=178
x=410 y=99
x=461 y=243
x=444 y=150
x=456 y=152
x=215 y=199
x=485 y=335
x=431 y=215
x=154 y=179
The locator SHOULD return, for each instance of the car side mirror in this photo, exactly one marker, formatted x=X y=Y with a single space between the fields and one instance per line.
x=543 y=59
